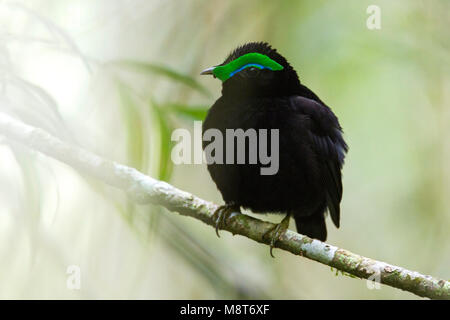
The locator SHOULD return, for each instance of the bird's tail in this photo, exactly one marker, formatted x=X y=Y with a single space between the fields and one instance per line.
x=313 y=226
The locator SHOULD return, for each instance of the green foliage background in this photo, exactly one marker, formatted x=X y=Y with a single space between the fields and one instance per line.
x=117 y=77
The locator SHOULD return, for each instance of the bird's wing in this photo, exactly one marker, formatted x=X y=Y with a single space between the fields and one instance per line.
x=325 y=135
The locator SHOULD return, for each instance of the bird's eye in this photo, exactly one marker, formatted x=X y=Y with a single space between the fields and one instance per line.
x=253 y=71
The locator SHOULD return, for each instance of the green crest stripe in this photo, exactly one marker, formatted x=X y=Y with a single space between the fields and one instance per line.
x=227 y=71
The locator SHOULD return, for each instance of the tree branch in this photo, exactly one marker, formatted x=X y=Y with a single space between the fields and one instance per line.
x=144 y=189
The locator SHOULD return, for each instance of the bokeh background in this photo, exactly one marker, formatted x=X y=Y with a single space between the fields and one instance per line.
x=116 y=77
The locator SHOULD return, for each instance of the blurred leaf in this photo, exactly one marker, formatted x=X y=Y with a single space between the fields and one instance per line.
x=190 y=112
x=153 y=68
x=222 y=276
x=165 y=162
x=53 y=29
x=51 y=120
x=134 y=128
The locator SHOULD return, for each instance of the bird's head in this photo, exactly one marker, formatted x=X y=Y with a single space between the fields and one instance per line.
x=255 y=69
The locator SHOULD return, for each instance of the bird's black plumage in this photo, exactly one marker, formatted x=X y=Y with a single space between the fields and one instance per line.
x=311 y=146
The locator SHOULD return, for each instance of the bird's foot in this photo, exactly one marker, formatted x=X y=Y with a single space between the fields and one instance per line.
x=223 y=213
x=277 y=232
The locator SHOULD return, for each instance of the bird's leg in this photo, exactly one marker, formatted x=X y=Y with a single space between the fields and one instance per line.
x=227 y=211
x=278 y=231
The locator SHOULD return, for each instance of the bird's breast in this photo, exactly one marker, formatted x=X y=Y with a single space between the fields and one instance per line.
x=292 y=182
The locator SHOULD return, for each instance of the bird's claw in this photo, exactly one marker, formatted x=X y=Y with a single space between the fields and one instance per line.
x=223 y=213
x=277 y=232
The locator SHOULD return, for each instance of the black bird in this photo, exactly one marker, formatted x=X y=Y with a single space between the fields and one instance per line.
x=261 y=90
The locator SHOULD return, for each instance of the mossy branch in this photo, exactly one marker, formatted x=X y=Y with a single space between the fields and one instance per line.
x=144 y=189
